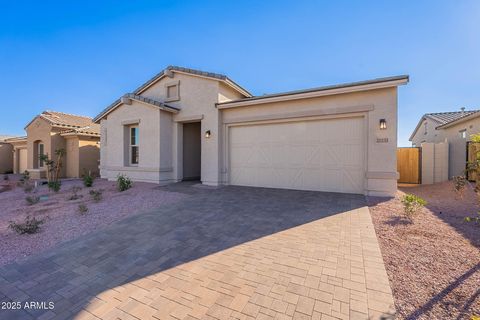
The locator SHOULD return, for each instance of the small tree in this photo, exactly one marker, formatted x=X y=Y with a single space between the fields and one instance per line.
x=53 y=169
x=412 y=204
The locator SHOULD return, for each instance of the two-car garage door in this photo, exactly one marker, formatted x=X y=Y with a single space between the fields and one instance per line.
x=321 y=155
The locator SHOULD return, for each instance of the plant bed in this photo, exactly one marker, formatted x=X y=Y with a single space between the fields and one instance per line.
x=433 y=259
x=62 y=220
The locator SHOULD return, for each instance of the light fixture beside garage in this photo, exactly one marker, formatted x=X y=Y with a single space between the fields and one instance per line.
x=383 y=124
x=207 y=134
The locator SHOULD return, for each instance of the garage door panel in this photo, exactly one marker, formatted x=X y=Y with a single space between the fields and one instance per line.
x=323 y=155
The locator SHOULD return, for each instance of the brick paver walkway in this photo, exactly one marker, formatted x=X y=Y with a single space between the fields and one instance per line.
x=227 y=253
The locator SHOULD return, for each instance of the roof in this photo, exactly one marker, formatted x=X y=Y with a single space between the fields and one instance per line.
x=443 y=119
x=217 y=76
x=166 y=72
x=467 y=115
x=331 y=89
x=80 y=124
x=5 y=137
x=16 y=139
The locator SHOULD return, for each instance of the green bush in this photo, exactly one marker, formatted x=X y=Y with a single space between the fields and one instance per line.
x=123 y=182
x=31 y=200
x=55 y=185
x=96 y=194
x=87 y=179
x=30 y=226
x=411 y=204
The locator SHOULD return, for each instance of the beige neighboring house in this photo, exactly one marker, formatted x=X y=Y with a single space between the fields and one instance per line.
x=455 y=128
x=6 y=155
x=52 y=130
x=187 y=124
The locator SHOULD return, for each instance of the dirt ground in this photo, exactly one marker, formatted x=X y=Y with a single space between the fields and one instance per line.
x=63 y=220
x=433 y=262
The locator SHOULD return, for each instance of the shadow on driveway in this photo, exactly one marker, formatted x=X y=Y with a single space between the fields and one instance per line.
x=208 y=221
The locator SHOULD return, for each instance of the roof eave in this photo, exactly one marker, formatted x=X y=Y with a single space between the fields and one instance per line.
x=318 y=92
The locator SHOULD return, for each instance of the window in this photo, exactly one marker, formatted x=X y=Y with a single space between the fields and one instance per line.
x=172 y=91
x=425 y=127
x=463 y=133
x=134 y=145
x=40 y=151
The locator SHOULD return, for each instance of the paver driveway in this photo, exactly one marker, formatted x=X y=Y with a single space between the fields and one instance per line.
x=232 y=252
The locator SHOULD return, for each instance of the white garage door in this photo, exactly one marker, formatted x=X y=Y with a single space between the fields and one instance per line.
x=22 y=160
x=321 y=155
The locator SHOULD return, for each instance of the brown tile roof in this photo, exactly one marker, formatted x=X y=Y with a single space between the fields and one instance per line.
x=447 y=117
x=72 y=123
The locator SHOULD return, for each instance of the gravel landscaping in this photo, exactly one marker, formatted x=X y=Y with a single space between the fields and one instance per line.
x=433 y=263
x=63 y=219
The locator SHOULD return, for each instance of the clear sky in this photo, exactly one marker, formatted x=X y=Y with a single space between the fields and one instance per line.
x=79 y=57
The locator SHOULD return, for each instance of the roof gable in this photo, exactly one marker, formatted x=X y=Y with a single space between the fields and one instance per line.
x=443 y=119
x=68 y=121
x=167 y=72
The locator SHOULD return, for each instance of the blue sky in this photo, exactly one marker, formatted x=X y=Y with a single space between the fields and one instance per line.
x=79 y=57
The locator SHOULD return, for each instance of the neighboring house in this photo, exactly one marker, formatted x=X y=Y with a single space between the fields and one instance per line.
x=187 y=124
x=456 y=127
x=6 y=155
x=50 y=131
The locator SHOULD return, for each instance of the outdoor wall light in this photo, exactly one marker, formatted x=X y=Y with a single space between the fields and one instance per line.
x=383 y=124
x=207 y=134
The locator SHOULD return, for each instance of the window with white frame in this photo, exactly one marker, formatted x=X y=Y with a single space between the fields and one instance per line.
x=463 y=133
x=133 y=148
x=172 y=91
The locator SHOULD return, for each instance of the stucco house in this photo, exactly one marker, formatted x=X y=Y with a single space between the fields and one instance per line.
x=6 y=155
x=188 y=124
x=454 y=127
x=51 y=130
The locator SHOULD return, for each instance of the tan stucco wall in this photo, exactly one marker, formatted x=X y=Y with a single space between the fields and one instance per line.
x=161 y=132
x=71 y=157
x=89 y=155
x=457 y=145
x=433 y=135
x=114 y=152
x=38 y=130
x=6 y=157
x=381 y=162
x=81 y=152
x=17 y=147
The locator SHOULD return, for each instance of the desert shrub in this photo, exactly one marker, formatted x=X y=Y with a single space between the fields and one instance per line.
x=53 y=169
x=123 y=182
x=75 y=195
x=87 y=179
x=25 y=176
x=29 y=226
x=474 y=218
x=55 y=185
x=28 y=187
x=411 y=204
x=459 y=184
x=82 y=208
x=96 y=194
x=31 y=200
